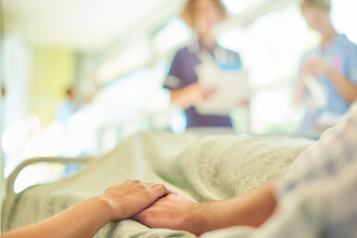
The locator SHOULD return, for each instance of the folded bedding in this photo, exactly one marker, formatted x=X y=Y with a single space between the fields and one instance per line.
x=199 y=168
x=222 y=167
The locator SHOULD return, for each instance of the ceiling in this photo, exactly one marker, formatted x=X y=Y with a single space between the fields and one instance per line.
x=94 y=26
x=84 y=25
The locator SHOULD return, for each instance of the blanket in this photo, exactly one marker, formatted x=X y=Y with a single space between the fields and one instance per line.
x=199 y=168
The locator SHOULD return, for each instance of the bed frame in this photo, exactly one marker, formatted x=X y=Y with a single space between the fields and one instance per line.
x=15 y=173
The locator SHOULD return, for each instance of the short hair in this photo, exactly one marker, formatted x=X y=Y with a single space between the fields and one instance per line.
x=324 y=5
x=187 y=13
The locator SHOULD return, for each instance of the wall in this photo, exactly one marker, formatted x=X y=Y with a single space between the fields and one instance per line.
x=53 y=71
x=2 y=180
x=35 y=79
x=16 y=61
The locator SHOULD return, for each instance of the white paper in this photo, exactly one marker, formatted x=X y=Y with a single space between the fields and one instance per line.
x=317 y=91
x=230 y=89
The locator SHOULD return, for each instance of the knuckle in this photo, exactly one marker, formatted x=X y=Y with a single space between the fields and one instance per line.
x=148 y=194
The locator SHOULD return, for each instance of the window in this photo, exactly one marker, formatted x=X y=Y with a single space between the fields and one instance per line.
x=344 y=17
x=174 y=34
x=271 y=50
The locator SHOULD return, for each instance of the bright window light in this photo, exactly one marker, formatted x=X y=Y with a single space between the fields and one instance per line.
x=271 y=50
x=14 y=137
x=235 y=6
x=136 y=54
x=273 y=106
x=174 y=34
x=233 y=39
x=38 y=174
x=125 y=97
x=280 y=39
x=344 y=17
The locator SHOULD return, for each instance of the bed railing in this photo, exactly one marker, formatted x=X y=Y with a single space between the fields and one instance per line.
x=12 y=178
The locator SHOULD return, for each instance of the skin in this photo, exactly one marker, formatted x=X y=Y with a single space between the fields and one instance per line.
x=320 y=21
x=205 y=17
x=86 y=218
x=177 y=213
x=190 y=95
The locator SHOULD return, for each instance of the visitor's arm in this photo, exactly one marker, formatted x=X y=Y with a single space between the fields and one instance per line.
x=86 y=218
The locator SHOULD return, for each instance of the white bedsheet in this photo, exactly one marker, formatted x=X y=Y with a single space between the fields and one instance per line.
x=200 y=168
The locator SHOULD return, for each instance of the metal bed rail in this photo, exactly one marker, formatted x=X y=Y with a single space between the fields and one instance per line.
x=12 y=178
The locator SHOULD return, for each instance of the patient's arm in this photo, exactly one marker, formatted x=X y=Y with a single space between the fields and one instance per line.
x=174 y=212
x=88 y=217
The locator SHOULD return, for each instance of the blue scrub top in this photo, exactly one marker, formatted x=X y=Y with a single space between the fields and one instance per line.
x=341 y=55
x=182 y=74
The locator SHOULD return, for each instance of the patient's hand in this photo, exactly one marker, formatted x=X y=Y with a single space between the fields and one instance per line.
x=132 y=196
x=174 y=212
x=170 y=212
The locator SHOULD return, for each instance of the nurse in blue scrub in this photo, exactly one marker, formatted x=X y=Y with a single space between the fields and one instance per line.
x=333 y=63
x=186 y=92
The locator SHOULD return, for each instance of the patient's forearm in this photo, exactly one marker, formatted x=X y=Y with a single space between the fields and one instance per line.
x=82 y=220
x=178 y=213
x=251 y=209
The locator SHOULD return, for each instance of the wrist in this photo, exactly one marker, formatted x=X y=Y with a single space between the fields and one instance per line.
x=198 y=219
x=106 y=207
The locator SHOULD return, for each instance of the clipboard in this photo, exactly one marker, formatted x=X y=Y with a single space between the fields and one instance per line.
x=231 y=87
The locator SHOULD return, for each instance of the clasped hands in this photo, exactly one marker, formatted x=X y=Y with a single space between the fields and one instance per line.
x=151 y=204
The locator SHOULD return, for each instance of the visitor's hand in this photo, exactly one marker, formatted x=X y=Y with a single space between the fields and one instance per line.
x=170 y=212
x=190 y=95
x=315 y=66
x=132 y=196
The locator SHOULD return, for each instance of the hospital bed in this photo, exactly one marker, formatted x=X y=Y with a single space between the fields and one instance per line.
x=12 y=178
x=198 y=167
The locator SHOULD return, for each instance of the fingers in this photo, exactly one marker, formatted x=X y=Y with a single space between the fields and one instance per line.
x=160 y=190
x=155 y=185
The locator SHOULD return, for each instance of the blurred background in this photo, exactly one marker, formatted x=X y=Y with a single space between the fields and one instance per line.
x=79 y=76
